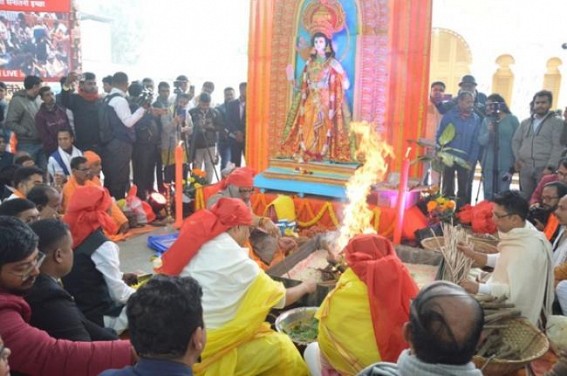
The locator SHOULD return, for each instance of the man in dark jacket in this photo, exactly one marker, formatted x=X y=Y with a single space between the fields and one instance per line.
x=21 y=119
x=84 y=104
x=117 y=153
x=49 y=120
x=34 y=352
x=236 y=125
x=54 y=309
x=145 y=153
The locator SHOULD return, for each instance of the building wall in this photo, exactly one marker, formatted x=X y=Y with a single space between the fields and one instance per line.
x=530 y=32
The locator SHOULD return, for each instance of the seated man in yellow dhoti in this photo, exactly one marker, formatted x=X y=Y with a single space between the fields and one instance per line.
x=237 y=295
x=361 y=320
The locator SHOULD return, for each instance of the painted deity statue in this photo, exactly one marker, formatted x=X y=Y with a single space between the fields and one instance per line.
x=317 y=124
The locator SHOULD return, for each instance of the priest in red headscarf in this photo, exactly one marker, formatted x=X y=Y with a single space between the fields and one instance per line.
x=99 y=287
x=237 y=294
x=361 y=320
x=266 y=246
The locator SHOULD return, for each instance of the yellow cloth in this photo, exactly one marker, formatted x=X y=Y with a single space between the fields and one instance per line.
x=284 y=207
x=346 y=335
x=246 y=345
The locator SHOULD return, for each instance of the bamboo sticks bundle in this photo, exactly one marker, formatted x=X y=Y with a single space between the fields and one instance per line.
x=457 y=265
x=496 y=315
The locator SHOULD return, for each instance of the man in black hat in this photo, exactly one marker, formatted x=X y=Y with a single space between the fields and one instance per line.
x=468 y=83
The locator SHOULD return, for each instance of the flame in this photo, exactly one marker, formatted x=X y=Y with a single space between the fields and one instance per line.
x=373 y=151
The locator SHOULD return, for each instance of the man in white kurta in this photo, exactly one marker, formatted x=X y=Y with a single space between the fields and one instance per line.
x=523 y=267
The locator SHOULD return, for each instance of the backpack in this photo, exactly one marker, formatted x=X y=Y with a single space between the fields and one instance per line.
x=105 y=129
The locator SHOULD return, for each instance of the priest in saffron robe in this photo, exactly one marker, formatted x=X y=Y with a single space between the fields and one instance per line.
x=361 y=320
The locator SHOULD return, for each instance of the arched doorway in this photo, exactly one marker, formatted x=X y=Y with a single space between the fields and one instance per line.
x=450 y=58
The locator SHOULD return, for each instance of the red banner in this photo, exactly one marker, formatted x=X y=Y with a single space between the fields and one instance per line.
x=36 y=5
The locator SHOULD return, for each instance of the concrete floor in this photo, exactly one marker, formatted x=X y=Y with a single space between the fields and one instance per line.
x=135 y=255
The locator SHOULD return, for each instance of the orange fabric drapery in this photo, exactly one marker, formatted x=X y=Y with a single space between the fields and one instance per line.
x=325 y=213
x=258 y=89
x=408 y=92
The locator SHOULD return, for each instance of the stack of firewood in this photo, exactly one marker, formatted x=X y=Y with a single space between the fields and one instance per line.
x=496 y=315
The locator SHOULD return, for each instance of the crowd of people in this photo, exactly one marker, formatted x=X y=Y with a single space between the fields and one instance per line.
x=126 y=126
x=65 y=302
x=530 y=262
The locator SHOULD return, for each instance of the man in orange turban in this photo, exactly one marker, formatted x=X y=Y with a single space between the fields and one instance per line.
x=81 y=174
x=266 y=247
x=95 y=165
x=369 y=306
x=237 y=294
x=96 y=282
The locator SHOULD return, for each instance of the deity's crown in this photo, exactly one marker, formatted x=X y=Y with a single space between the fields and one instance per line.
x=325 y=16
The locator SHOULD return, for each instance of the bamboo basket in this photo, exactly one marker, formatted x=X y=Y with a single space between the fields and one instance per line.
x=521 y=334
x=483 y=246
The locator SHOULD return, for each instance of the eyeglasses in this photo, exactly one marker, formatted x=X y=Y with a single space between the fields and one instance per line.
x=245 y=190
x=500 y=216
x=549 y=198
x=561 y=174
x=25 y=274
x=86 y=169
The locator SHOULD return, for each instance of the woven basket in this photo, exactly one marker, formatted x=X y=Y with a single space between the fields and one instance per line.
x=521 y=334
x=433 y=244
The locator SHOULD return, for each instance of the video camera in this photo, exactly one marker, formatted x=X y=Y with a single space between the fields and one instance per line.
x=539 y=213
x=493 y=110
x=145 y=97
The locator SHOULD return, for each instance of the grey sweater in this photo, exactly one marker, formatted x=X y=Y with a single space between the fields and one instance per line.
x=21 y=117
x=542 y=147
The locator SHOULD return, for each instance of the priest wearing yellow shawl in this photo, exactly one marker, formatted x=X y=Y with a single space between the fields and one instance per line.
x=361 y=320
x=237 y=295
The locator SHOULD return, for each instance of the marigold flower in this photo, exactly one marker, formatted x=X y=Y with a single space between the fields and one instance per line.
x=431 y=206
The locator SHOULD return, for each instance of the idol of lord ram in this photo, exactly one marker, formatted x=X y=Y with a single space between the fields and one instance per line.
x=317 y=124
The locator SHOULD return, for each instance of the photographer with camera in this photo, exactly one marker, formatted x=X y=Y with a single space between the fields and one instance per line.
x=207 y=122
x=145 y=152
x=117 y=153
x=175 y=126
x=496 y=133
x=182 y=85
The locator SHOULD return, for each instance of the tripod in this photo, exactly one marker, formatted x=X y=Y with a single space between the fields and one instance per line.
x=200 y=131
x=496 y=149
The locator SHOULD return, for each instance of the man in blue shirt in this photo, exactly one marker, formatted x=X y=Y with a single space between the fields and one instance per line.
x=467 y=128
x=166 y=327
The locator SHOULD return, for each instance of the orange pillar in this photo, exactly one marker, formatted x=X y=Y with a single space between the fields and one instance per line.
x=408 y=92
x=258 y=89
